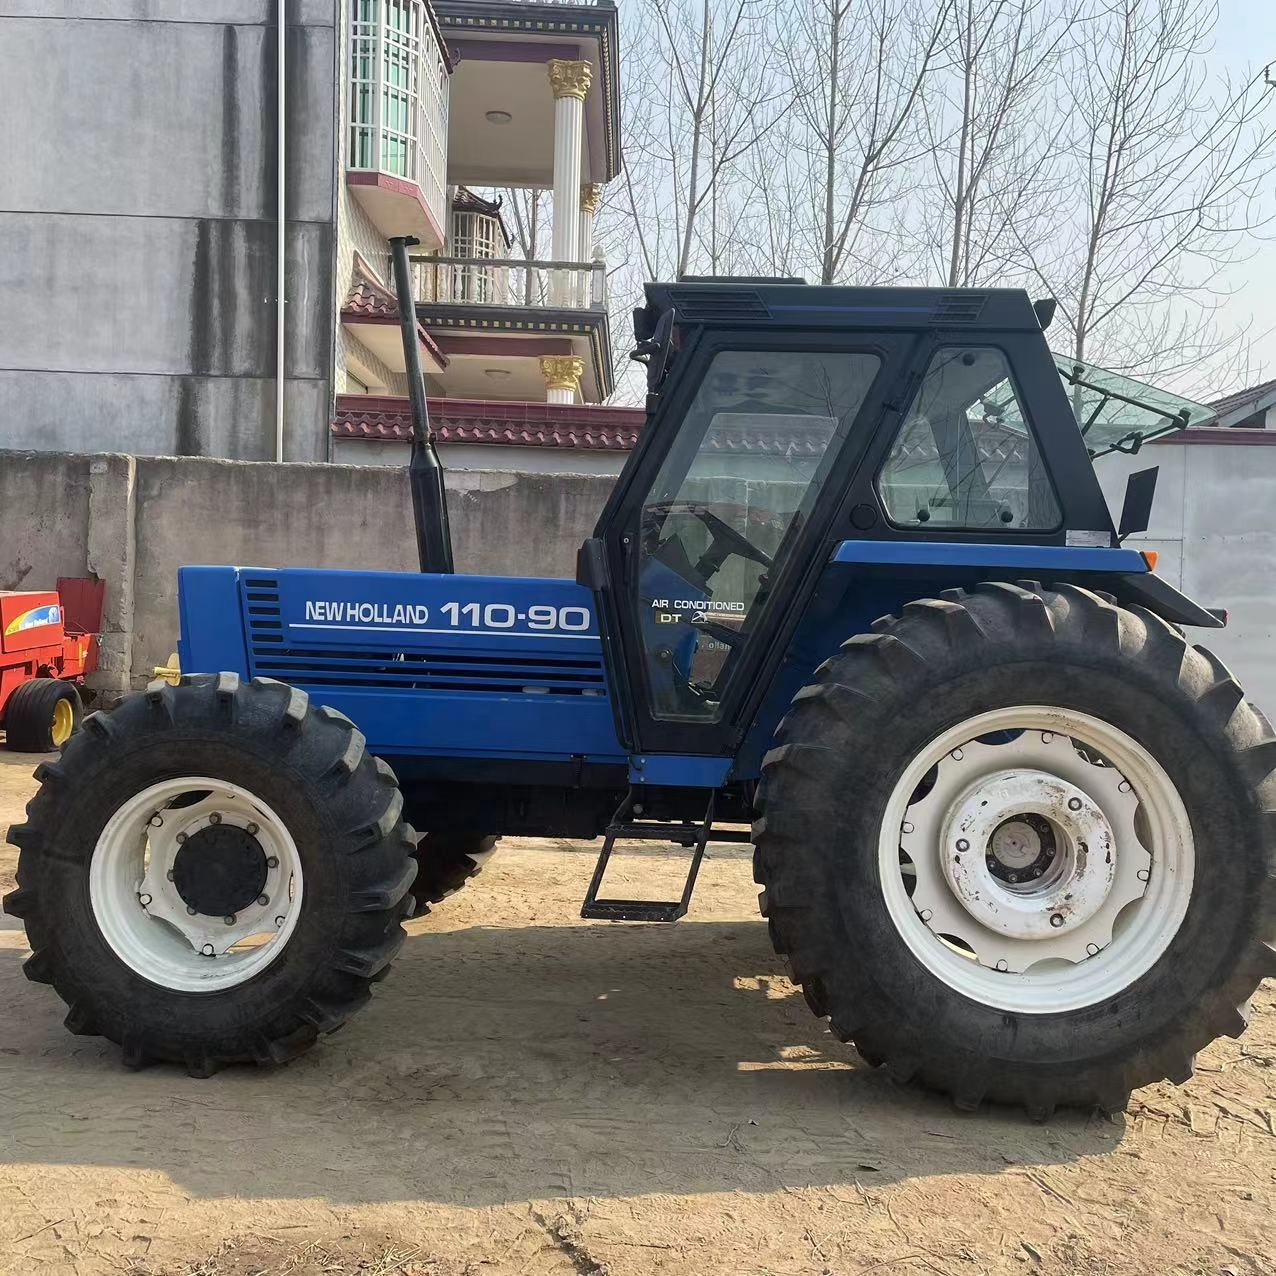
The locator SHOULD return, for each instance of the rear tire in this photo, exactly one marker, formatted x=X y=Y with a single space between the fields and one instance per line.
x=285 y=822
x=445 y=862
x=42 y=715
x=827 y=847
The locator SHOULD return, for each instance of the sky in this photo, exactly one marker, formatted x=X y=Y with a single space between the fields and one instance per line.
x=1245 y=36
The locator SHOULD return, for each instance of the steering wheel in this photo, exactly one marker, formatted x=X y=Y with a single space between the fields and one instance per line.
x=724 y=540
x=716 y=629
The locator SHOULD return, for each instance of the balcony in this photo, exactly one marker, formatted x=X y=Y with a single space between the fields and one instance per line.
x=398 y=118
x=496 y=319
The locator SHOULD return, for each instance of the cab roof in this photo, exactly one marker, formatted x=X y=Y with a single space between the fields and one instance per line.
x=790 y=303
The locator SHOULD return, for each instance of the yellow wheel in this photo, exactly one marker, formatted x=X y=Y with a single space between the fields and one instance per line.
x=63 y=722
x=41 y=715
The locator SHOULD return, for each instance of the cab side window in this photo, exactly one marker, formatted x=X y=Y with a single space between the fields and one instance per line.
x=965 y=455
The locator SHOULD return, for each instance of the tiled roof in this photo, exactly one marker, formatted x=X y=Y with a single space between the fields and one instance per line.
x=1243 y=398
x=592 y=427
x=371 y=301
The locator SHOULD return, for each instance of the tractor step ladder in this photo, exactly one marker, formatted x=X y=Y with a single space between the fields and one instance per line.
x=685 y=833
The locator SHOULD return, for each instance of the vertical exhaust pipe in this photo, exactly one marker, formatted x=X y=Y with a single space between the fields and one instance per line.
x=425 y=473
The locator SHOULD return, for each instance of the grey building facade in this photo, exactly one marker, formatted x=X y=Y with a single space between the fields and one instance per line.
x=138 y=225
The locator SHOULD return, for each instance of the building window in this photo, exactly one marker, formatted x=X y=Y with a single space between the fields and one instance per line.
x=398 y=94
x=965 y=455
x=477 y=235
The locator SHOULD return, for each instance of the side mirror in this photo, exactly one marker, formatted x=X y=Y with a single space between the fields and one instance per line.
x=1136 y=509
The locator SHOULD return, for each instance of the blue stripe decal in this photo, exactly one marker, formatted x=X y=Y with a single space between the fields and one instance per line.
x=983 y=554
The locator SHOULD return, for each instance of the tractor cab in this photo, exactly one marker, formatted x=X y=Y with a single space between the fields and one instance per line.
x=793 y=428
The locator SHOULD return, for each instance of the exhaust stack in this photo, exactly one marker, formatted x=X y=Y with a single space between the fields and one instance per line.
x=425 y=473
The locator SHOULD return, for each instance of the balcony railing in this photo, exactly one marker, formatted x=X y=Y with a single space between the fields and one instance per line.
x=501 y=281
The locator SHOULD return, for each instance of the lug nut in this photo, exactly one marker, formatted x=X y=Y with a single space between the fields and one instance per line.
x=1074 y=804
x=1002 y=965
x=251 y=829
x=1047 y=736
x=208 y=951
x=215 y=818
x=273 y=862
x=279 y=921
x=1092 y=950
x=156 y=820
x=144 y=900
x=1056 y=919
x=962 y=844
x=957 y=755
x=263 y=900
x=181 y=837
x=190 y=912
x=229 y=919
x=172 y=877
x=908 y=828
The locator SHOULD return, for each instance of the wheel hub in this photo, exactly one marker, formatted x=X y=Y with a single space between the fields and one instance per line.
x=220 y=870
x=1019 y=864
x=1021 y=849
x=196 y=884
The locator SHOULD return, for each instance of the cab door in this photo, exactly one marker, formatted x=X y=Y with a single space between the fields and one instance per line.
x=720 y=519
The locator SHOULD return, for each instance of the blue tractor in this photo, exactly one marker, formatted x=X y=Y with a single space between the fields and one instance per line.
x=856 y=598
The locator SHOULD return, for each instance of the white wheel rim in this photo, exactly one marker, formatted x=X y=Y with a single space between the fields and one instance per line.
x=1054 y=911
x=137 y=901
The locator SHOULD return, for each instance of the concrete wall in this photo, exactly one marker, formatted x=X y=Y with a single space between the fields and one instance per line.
x=138 y=237
x=1214 y=526
x=134 y=521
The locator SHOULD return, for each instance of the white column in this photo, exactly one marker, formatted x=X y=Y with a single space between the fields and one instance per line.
x=562 y=373
x=590 y=194
x=570 y=82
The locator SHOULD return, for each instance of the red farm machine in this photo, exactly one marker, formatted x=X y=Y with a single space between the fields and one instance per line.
x=48 y=643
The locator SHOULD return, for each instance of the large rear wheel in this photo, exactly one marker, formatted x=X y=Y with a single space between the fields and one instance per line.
x=213 y=873
x=1018 y=844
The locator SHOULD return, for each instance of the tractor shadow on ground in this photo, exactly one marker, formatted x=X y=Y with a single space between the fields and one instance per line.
x=515 y=1063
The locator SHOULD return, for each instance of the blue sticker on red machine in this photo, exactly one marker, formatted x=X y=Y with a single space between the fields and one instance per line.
x=50 y=614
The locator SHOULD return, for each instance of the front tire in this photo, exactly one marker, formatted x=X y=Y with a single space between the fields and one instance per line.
x=1018 y=964
x=213 y=873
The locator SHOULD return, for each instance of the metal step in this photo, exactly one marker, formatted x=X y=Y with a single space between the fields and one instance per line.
x=623 y=826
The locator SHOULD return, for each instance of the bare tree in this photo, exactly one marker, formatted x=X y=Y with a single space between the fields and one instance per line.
x=857 y=71
x=991 y=135
x=709 y=94
x=1167 y=179
x=526 y=207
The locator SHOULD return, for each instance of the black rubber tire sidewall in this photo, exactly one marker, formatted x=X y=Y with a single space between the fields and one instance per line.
x=28 y=718
x=879 y=702
x=236 y=1016
x=1207 y=945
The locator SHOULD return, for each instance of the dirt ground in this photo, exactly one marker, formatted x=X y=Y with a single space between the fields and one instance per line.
x=530 y=1094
